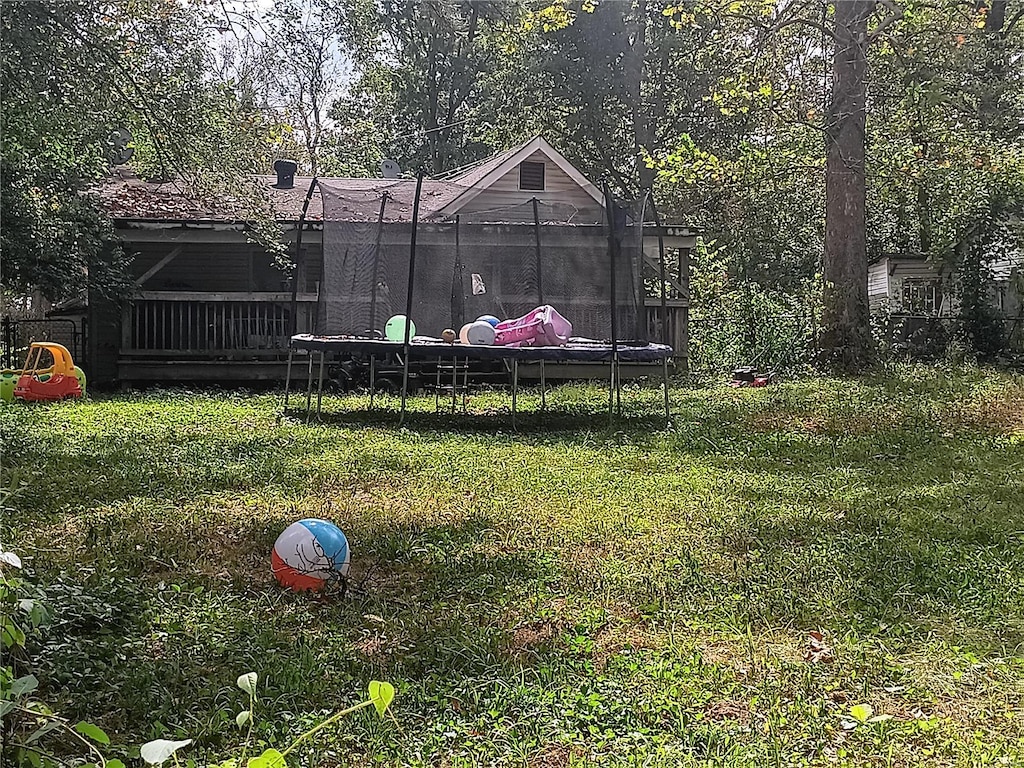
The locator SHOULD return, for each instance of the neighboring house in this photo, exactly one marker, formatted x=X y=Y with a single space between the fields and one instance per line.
x=917 y=286
x=208 y=304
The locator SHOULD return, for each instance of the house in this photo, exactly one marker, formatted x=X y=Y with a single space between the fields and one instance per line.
x=210 y=304
x=917 y=286
x=920 y=298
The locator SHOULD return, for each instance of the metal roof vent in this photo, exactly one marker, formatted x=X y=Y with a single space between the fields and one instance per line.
x=285 y=170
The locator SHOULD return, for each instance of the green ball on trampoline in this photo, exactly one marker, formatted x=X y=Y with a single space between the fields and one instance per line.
x=394 y=330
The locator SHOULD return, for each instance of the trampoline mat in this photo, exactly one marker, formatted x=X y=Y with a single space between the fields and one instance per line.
x=421 y=347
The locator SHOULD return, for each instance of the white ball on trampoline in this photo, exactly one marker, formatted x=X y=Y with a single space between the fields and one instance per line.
x=480 y=332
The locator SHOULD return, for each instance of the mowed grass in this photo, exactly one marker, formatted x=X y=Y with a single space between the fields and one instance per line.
x=574 y=593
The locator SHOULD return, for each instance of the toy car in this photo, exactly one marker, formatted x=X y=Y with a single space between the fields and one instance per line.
x=57 y=382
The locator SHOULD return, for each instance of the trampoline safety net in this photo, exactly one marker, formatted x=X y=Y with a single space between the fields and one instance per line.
x=472 y=259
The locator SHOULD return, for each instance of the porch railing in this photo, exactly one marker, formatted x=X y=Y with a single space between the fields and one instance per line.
x=675 y=332
x=212 y=324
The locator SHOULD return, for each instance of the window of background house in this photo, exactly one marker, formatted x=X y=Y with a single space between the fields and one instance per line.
x=922 y=296
x=531 y=176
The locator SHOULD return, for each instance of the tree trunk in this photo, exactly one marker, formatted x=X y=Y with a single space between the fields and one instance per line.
x=636 y=72
x=846 y=333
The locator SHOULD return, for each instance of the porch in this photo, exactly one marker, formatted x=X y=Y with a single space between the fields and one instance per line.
x=201 y=336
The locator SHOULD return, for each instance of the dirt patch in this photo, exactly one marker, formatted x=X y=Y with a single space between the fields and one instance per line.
x=534 y=634
x=553 y=756
x=1000 y=413
x=730 y=709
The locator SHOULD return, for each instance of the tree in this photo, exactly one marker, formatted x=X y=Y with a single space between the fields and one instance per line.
x=423 y=74
x=846 y=331
x=74 y=72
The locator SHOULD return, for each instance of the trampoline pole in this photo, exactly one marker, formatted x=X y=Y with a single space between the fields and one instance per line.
x=543 y=389
x=320 y=384
x=376 y=261
x=408 y=293
x=465 y=384
x=536 y=245
x=455 y=380
x=437 y=386
x=664 y=364
x=610 y=213
x=309 y=382
x=662 y=278
x=373 y=359
x=515 y=388
x=288 y=376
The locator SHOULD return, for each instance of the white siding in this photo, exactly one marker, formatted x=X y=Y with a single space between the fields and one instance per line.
x=561 y=200
x=878 y=280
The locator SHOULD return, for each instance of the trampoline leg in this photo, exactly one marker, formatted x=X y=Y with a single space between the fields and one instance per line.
x=455 y=380
x=320 y=385
x=309 y=382
x=288 y=378
x=515 y=389
x=618 y=388
x=465 y=385
x=664 y=374
x=372 y=381
x=543 y=389
x=405 y=385
x=611 y=391
x=437 y=386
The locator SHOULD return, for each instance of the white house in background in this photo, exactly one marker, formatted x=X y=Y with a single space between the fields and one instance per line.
x=917 y=286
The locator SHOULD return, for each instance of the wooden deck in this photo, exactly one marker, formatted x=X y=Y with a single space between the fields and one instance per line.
x=243 y=337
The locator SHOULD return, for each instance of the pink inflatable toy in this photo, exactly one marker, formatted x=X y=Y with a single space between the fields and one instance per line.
x=543 y=327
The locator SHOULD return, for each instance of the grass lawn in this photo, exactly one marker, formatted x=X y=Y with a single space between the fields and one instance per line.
x=566 y=595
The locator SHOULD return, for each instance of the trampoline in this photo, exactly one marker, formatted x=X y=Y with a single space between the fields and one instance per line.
x=426 y=348
x=382 y=259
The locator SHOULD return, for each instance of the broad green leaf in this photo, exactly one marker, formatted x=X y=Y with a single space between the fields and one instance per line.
x=381 y=694
x=10 y=634
x=879 y=718
x=243 y=717
x=93 y=732
x=271 y=758
x=247 y=682
x=861 y=712
x=114 y=764
x=159 y=750
x=5 y=707
x=23 y=685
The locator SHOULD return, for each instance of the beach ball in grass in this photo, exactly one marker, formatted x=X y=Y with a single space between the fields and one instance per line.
x=394 y=330
x=309 y=554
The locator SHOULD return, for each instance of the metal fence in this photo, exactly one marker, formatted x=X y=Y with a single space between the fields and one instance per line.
x=17 y=335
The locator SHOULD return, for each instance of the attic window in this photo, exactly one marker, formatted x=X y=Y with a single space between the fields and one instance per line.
x=531 y=176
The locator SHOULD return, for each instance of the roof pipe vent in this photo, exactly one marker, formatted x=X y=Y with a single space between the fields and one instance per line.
x=285 y=170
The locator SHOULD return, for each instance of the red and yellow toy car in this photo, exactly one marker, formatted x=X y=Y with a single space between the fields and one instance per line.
x=55 y=382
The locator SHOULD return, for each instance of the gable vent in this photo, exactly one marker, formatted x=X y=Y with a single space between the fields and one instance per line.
x=531 y=176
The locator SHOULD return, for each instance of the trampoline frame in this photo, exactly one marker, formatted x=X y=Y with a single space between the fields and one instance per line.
x=441 y=351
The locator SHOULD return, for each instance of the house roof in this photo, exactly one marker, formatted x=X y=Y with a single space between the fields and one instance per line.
x=478 y=178
x=128 y=198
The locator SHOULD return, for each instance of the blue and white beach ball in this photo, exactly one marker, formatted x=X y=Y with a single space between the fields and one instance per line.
x=309 y=554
